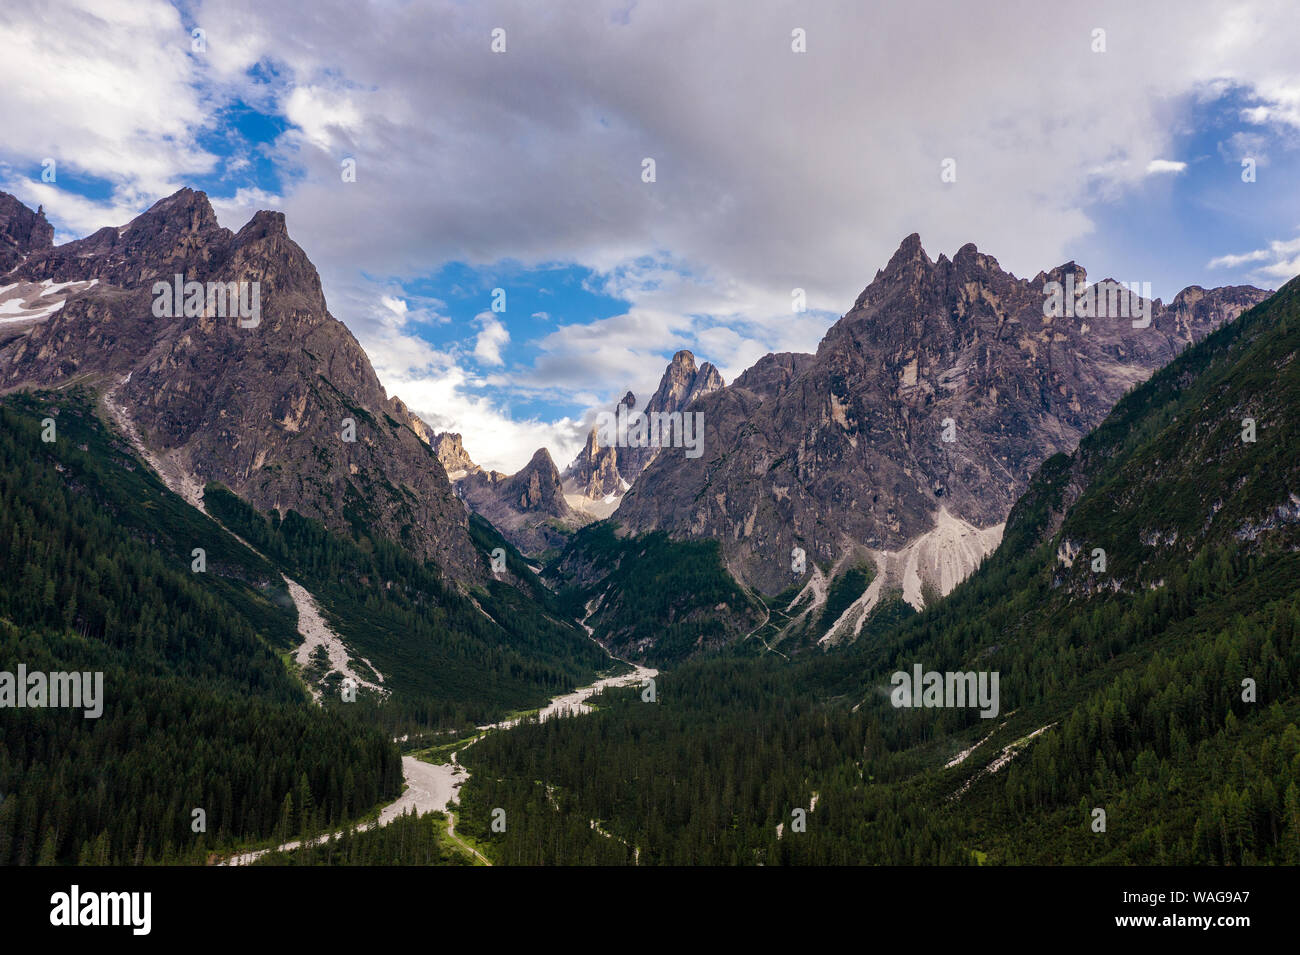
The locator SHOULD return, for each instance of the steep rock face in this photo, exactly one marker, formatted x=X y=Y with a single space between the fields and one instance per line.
x=595 y=470
x=594 y=473
x=941 y=390
x=22 y=232
x=773 y=373
x=284 y=408
x=528 y=507
x=452 y=455
x=537 y=487
x=681 y=385
x=599 y=472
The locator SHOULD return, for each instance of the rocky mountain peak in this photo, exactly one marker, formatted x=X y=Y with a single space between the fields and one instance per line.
x=1061 y=273
x=683 y=363
x=283 y=406
x=682 y=383
x=528 y=508
x=942 y=389
x=185 y=209
x=176 y=235
x=909 y=252
x=908 y=261
x=22 y=231
x=262 y=251
x=906 y=272
x=452 y=454
x=537 y=486
x=600 y=472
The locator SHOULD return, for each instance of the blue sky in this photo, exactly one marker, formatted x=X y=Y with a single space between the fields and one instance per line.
x=775 y=170
x=1169 y=231
x=455 y=302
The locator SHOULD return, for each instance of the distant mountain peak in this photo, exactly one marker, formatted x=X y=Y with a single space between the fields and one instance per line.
x=537 y=486
x=266 y=222
x=22 y=231
x=528 y=507
x=909 y=255
x=452 y=454
x=597 y=473
x=683 y=359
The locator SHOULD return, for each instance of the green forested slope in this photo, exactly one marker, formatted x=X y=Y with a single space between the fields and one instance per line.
x=447 y=661
x=203 y=707
x=676 y=593
x=199 y=710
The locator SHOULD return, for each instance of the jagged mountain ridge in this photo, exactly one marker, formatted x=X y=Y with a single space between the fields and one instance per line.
x=262 y=409
x=599 y=473
x=452 y=455
x=538 y=508
x=846 y=448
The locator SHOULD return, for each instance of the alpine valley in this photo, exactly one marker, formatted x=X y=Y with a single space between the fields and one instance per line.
x=326 y=628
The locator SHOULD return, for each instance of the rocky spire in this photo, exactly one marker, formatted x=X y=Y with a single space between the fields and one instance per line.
x=599 y=472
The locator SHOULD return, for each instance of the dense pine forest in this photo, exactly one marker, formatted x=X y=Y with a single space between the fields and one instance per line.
x=676 y=592
x=203 y=709
x=452 y=660
x=1162 y=690
x=200 y=711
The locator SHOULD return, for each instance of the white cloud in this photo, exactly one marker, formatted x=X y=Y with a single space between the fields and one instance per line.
x=1233 y=261
x=493 y=437
x=776 y=170
x=106 y=89
x=438 y=388
x=323 y=115
x=491 y=337
x=1282 y=104
x=1281 y=261
x=233 y=212
x=1283 y=270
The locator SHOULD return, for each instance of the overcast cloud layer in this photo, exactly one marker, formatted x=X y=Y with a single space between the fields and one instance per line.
x=775 y=170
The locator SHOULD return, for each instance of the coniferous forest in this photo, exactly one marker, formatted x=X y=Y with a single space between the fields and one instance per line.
x=199 y=711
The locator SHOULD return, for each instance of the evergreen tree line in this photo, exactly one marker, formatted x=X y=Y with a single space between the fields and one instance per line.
x=199 y=711
x=407 y=840
x=450 y=659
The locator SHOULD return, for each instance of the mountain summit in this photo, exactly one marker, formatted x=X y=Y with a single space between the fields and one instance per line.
x=283 y=406
x=21 y=232
x=917 y=423
x=603 y=473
